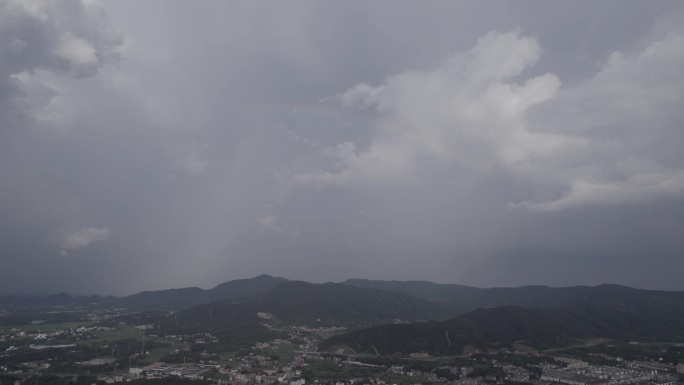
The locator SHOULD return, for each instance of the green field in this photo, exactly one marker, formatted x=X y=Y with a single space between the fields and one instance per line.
x=325 y=335
x=224 y=357
x=121 y=332
x=324 y=369
x=50 y=327
x=156 y=354
x=285 y=352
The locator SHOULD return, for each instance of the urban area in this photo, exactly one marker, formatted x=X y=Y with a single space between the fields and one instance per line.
x=110 y=347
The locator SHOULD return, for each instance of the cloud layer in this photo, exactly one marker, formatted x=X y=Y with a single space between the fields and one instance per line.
x=474 y=117
x=514 y=144
x=84 y=237
x=70 y=38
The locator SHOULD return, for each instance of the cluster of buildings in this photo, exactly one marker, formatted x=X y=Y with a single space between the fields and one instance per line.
x=652 y=365
x=605 y=375
x=71 y=334
x=570 y=372
x=161 y=370
x=262 y=366
x=322 y=329
x=516 y=373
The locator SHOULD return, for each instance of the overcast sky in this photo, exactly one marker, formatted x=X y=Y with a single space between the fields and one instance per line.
x=157 y=144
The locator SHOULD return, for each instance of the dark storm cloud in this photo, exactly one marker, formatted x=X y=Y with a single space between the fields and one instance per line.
x=66 y=38
x=457 y=142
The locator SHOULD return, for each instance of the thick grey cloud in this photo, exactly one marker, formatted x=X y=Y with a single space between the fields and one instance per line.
x=168 y=144
x=66 y=38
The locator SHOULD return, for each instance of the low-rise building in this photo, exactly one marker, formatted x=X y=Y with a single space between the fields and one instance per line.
x=680 y=368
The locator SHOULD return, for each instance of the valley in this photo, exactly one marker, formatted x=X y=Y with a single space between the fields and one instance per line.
x=268 y=330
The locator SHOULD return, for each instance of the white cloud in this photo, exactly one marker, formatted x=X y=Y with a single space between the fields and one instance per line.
x=469 y=111
x=592 y=143
x=49 y=38
x=189 y=159
x=268 y=223
x=36 y=9
x=71 y=37
x=642 y=180
x=624 y=119
x=84 y=237
x=382 y=162
x=76 y=50
x=361 y=95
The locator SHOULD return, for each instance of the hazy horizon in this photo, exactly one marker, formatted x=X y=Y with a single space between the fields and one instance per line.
x=211 y=286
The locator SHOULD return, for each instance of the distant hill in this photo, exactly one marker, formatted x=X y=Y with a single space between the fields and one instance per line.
x=299 y=302
x=59 y=299
x=231 y=291
x=502 y=327
x=320 y=304
x=461 y=299
x=244 y=289
x=335 y=303
x=369 y=302
x=237 y=326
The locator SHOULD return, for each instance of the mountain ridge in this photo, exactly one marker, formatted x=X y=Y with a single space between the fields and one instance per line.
x=503 y=328
x=457 y=298
x=465 y=298
x=328 y=304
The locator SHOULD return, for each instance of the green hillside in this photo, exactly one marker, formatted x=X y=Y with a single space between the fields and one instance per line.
x=238 y=324
x=502 y=327
x=460 y=299
x=321 y=304
x=232 y=291
x=338 y=304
